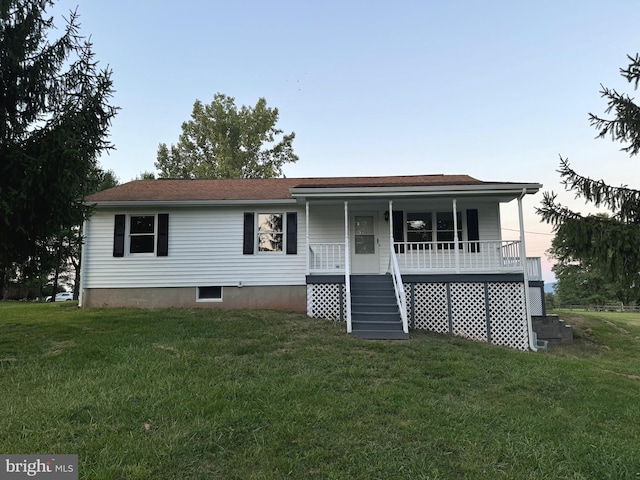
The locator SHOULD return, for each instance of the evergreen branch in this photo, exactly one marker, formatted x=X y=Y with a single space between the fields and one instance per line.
x=625 y=127
x=622 y=201
x=632 y=72
x=554 y=213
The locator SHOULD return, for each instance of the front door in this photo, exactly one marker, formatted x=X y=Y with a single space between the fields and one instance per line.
x=365 y=248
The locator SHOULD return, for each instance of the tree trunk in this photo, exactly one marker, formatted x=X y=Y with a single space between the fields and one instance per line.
x=5 y=283
x=56 y=275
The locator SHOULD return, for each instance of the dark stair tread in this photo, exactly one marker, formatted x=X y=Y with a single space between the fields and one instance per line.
x=380 y=335
x=374 y=309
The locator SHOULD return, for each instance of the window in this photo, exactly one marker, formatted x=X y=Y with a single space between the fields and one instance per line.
x=134 y=234
x=142 y=234
x=446 y=229
x=419 y=227
x=209 y=294
x=365 y=239
x=270 y=233
x=429 y=227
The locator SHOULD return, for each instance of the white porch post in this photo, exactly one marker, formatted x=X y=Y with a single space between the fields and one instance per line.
x=347 y=266
x=525 y=273
x=391 y=223
x=455 y=235
x=307 y=237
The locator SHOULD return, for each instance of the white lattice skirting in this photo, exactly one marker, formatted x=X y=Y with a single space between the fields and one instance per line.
x=491 y=312
x=535 y=296
x=323 y=301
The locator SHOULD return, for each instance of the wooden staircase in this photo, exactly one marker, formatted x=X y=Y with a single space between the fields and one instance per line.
x=374 y=310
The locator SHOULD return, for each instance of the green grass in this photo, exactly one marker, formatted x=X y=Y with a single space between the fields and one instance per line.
x=200 y=394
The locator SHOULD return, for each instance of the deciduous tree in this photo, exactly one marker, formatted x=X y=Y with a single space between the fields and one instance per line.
x=222 y=141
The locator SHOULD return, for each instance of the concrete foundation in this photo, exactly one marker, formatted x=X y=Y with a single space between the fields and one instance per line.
x=289 y=298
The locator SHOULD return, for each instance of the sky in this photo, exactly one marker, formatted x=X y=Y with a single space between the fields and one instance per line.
x=497 y=89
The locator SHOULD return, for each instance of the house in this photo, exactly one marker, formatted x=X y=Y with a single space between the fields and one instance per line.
x=382 y=254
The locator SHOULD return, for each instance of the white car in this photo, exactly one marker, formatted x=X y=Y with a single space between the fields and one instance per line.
x=62 y=297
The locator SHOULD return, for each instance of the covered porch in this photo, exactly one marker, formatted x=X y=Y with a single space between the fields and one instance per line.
x=437 y=249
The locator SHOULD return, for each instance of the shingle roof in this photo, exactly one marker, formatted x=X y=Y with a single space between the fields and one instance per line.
x=262 y=188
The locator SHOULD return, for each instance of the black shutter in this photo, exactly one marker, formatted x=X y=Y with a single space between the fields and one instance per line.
x=292 y=233
x=249 y=236
x=473 y=233
x=163 y=235
x=398 y=229
x=118 y=236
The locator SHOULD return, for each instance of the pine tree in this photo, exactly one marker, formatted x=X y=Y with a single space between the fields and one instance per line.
x=54 y=121
x=608 y=243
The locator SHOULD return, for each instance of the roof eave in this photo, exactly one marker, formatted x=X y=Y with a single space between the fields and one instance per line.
x=512 y=191
x=185 y=203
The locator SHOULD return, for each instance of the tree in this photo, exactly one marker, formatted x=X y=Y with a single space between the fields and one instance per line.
x=579 y=283
x=54 y=121
x=56 y=258
x=146 y=175
x=221 y=141
x=71 y=240
x=607 y=244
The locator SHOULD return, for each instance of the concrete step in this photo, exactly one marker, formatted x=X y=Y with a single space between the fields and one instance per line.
x=552 y=329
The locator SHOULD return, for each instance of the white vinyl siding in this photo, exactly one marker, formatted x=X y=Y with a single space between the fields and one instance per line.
x=206 y=244
x=489 y=221
x=205 y=248
x=326 y=223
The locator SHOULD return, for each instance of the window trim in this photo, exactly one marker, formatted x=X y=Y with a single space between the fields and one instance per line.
x=257 y=234
x=122 y=234
x=210 y=300
x=449 y=244
x=128 y=235
x=434 y=243
x=251 y=233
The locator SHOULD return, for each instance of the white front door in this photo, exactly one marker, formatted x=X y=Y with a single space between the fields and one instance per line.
x=365 y=247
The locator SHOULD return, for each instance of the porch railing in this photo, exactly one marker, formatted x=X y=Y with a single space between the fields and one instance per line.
x=534 y=268
x=475 y=256
x=485 y=256
x=327 y=257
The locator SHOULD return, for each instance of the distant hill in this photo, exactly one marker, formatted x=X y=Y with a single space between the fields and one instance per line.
x=548 y=287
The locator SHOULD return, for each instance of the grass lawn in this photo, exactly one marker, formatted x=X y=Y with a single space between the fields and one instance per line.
x=200 y=394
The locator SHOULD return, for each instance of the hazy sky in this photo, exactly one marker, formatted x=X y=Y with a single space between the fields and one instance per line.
x=493 y=89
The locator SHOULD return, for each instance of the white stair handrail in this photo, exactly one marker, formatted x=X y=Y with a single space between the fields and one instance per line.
x=398 y=285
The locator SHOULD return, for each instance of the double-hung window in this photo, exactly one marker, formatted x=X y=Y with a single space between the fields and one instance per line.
x=419 y=227
x=270 y=232
x=141 y=234
x=446 y=229
x=275 y=232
